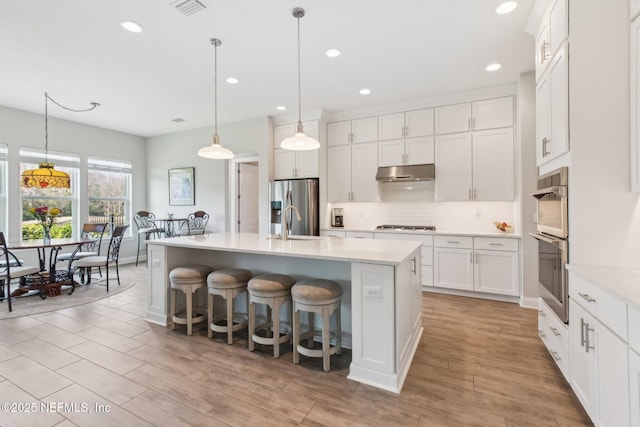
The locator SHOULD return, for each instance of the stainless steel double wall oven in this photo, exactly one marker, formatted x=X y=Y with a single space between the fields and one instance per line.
x=552 y=234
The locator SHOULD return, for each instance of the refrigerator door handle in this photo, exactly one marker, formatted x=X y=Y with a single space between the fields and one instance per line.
x=289 y=221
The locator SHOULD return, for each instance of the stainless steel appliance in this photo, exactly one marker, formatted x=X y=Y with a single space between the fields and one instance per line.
x=337 y=217
x=304 y=195
x=552 y=234
x=425 y=172
x=406 y=227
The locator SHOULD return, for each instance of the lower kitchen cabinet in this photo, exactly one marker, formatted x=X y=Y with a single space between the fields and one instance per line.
x=426 y=255
x=634 y=387
x=555 y=334
x=480 y=264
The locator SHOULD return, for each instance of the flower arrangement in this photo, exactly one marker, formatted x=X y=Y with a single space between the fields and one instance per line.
x=46 y=216
x=503 y=226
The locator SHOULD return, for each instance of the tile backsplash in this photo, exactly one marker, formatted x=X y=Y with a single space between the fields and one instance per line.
x=413 y=204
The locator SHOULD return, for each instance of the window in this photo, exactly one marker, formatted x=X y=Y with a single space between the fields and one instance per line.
x=64 y=199
x=3 y=187
x=109 y=191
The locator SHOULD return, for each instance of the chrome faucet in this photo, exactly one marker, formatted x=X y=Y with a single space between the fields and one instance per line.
x=284 y=220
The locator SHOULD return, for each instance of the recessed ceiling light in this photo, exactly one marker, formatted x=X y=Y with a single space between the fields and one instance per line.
x=365 y=91
x=506 y=7
x=232 y=80
x=493 y=67
x=281 y=108
x=332 y=53
x=131 y=26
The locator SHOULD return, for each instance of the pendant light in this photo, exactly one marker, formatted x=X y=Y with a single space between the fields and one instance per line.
x=46 y=176
x=299 y=141
x=215 y=150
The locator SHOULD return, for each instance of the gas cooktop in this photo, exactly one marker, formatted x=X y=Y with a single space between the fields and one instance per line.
x=407 y=227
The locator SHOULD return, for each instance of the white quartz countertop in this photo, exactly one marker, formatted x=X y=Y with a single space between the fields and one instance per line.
x=390 y=252
x=621 y=282
x=434 y=233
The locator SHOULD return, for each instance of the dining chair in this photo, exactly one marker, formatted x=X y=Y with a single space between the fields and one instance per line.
x=89 y=230
x=11 y=268
x=111 y=258
x=196 y=223
x=147 y=227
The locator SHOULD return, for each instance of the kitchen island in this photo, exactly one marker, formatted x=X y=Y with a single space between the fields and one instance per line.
x=381 y=305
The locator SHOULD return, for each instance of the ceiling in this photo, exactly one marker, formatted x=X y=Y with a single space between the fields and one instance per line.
x=401 y=50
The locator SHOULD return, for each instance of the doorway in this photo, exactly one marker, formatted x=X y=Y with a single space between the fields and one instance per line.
x=247 y=206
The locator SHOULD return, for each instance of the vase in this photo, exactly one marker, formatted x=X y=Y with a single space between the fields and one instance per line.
x=46 y=234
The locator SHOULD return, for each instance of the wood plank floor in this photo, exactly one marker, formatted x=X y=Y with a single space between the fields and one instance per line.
x=479 y=363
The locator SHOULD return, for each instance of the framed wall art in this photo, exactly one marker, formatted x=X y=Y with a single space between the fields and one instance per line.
x=182 y=187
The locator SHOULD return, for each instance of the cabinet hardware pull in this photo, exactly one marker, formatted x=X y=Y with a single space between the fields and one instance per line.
x=581 y=332
x=415 y=265
x=587 y=297
x=555 y=331
x=545 y=144
x=587 y=343
x=542 y=313
x=555 y=356
x=542 y=335
x=495 y=244
x=453 y=241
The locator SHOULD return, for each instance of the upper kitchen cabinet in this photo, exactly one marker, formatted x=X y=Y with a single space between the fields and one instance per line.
x=552 y=109
x=478 y=115
x=294 y=164
x=409 y=124
x=552 y=32
x=352 y=131
x=475 y=166
x=410 y=151
x=352 y=173
x=634 y=98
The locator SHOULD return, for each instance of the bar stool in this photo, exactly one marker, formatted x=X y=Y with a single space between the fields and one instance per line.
x=227 y=283
x=316 y=296
x=273 y=290
x=187 y=279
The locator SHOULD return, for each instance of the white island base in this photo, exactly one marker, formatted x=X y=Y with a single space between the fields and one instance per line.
x=382 y=301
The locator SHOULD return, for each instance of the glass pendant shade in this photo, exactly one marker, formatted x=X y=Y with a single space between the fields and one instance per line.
x=45 y=177
x=215 y=151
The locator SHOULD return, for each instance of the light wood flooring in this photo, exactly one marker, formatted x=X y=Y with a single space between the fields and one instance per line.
x=479 y=363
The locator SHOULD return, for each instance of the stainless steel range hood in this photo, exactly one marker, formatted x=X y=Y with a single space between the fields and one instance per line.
x=426 y=172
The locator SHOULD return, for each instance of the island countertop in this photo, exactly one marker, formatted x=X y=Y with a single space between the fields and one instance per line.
x=389 y=252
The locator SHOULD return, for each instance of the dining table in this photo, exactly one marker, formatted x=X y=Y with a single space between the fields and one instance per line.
x=49 y=277
x=169 y=224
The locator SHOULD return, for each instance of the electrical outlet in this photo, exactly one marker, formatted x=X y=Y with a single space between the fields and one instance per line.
x=371 y=292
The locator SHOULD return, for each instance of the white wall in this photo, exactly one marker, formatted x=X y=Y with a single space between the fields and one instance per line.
x=604 y=216
x=246 y=138
x=22 y=129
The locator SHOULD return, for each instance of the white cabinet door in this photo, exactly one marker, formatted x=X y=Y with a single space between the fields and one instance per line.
x=453 y=268
x=584 y=363
x=634 y=387
x=634 y=8
x=391 y=126
x=496 y=272
x=391 y=153
x=284 y=164
x=542 y=52
x=453 y=162
x=543 y=119
x=418 y=123
x=364 y=166
x=339 y=173
x=364 y=130
x=558 y=18
x=453 y=118
x=307 y=164
x=492 y=113
x=419 y=151
x=493 y=160
x=613 y=378
x=281 y=132
x=338 y=133
x=634 y=97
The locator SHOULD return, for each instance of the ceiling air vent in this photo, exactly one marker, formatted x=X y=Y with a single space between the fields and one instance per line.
x=188 y=7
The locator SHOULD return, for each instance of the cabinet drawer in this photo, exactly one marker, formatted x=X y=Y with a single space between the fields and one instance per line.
x=608 y=309
x=332 y=233
x=554 y=327
x=426 y=239
x=495 y=244
x=427 y=255
x=634 y=332
x=465 y=242
x=360 y=234
x=559 y=356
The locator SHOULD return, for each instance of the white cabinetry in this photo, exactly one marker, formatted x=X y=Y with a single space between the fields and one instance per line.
x=552 y=31
x=332 y=233
x=634 y=97
x=413 y=151
x=351 y=174
x=426 y=276
x=634 y=387
x=555 y=335
x=352 y=131
x=409 y=124
x=294 y=164
x=480 y=264
x=360 y=234
x=478 y=115
x=475 y=166
x=600 y=358
x=634 y=8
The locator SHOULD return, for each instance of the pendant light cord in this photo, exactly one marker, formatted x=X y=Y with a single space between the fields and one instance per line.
x=299 y=85
x=215 y=92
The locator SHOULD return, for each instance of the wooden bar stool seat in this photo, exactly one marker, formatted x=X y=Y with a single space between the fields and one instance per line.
x=187 y=279
x=273 y=290
x=317 y=296
x=227 y=283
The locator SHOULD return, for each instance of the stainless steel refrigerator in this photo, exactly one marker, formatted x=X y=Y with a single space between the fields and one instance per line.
x=304 y=195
